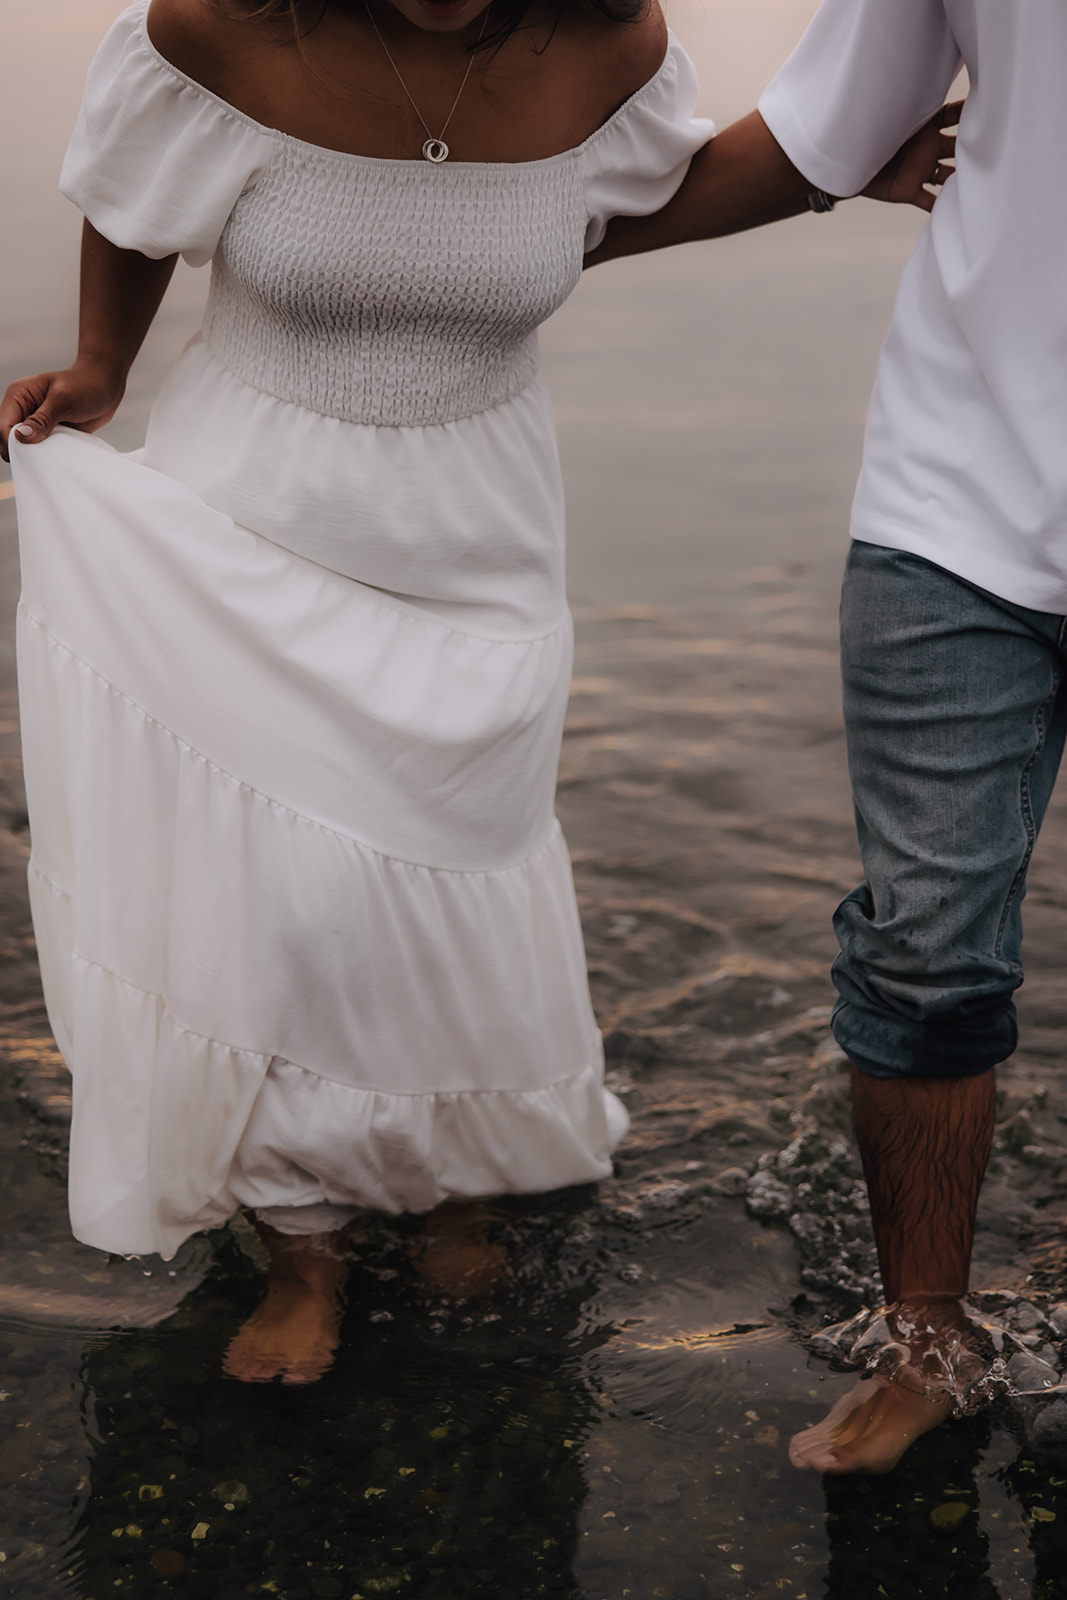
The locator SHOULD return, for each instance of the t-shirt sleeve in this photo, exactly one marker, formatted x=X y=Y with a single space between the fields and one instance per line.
x=864 y=77
x=636 y=162
x=156 y=162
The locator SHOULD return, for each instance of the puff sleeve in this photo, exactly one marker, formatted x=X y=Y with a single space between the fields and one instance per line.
x=636 y=162
x=864 y=77
x=157 y=163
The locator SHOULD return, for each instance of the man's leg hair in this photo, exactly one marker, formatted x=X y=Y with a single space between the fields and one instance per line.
x=925 y=1145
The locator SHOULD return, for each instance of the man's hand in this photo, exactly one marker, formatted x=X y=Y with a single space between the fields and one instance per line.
x=918 y=167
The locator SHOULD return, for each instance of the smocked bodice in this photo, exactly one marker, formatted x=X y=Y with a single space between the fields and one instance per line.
x=386 y=292
x=393 y=292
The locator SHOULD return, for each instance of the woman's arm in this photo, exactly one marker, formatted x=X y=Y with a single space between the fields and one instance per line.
x=121 y=292
x=743 y=179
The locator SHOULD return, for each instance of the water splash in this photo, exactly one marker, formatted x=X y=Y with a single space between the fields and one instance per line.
x=996 y=1347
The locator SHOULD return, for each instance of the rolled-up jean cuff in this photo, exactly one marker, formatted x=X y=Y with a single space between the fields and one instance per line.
x=883 y=1046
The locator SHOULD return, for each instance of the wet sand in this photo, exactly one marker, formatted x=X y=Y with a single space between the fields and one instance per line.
x=648 y=1360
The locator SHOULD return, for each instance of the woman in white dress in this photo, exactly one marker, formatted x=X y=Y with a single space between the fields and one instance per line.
x=293 y=677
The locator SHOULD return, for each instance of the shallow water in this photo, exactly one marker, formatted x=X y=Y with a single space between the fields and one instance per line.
x=612 y=1419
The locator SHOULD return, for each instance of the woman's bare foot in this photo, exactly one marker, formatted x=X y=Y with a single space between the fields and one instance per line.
x=293 y=1333
x=456 y=1254
x=868 y=1429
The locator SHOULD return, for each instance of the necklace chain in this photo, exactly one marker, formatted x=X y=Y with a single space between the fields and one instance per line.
x=434 y=149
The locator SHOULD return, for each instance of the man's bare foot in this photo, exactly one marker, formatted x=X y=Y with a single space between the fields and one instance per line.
x=868 y=1429
x=293 y=1333
x=920 y=1358
x=456 y=1254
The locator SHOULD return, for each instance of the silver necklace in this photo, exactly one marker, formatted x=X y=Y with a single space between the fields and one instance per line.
x=434 y=149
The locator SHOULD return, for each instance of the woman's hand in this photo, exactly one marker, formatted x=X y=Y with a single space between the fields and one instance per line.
x=84 y=396
x=120 y=294
x=904 y=179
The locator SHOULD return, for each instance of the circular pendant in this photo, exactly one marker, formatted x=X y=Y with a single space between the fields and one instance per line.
x=435 y=150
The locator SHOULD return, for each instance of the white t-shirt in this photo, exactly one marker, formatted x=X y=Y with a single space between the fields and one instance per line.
x=966 y=453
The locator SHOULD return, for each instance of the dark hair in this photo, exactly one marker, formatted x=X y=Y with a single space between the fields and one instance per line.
x=305 y=15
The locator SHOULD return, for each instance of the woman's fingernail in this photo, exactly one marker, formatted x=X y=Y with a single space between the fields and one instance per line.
x=23 y=431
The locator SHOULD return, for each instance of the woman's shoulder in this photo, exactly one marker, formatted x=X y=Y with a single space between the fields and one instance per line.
x=203 y=39
x=621 y=55
x=640 y=153
x=592 y=57
x=158 y=157
x=638 y=50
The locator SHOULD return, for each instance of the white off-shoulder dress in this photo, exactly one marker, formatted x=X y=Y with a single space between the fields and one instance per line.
x=293 y=678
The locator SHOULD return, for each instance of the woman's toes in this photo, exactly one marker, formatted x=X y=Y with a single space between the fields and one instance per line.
x=292 y=1336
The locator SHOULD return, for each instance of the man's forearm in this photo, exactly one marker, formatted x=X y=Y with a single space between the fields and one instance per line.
x=741 y=179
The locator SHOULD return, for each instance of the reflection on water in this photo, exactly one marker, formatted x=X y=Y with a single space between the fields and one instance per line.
x=442 y=1455
x=575 y=1434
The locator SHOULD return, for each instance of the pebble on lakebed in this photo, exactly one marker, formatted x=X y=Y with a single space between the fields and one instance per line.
x=733 y=1181
x=948 y=1517
x=168 y=1563
x=235 y=1494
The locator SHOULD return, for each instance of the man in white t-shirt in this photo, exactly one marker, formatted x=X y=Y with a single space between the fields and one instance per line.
x=954 y=613
x=954 y=626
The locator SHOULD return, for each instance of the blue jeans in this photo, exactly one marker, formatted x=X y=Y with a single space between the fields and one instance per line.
x=956 y=711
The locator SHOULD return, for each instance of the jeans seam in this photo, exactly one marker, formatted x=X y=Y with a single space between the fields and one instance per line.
x=1027 y=812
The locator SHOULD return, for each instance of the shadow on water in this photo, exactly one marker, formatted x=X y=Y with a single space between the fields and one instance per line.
x=560 y=1437
x=967 y=1517
x=919 y=1533
x=440 y=1456
x=585 y=1431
